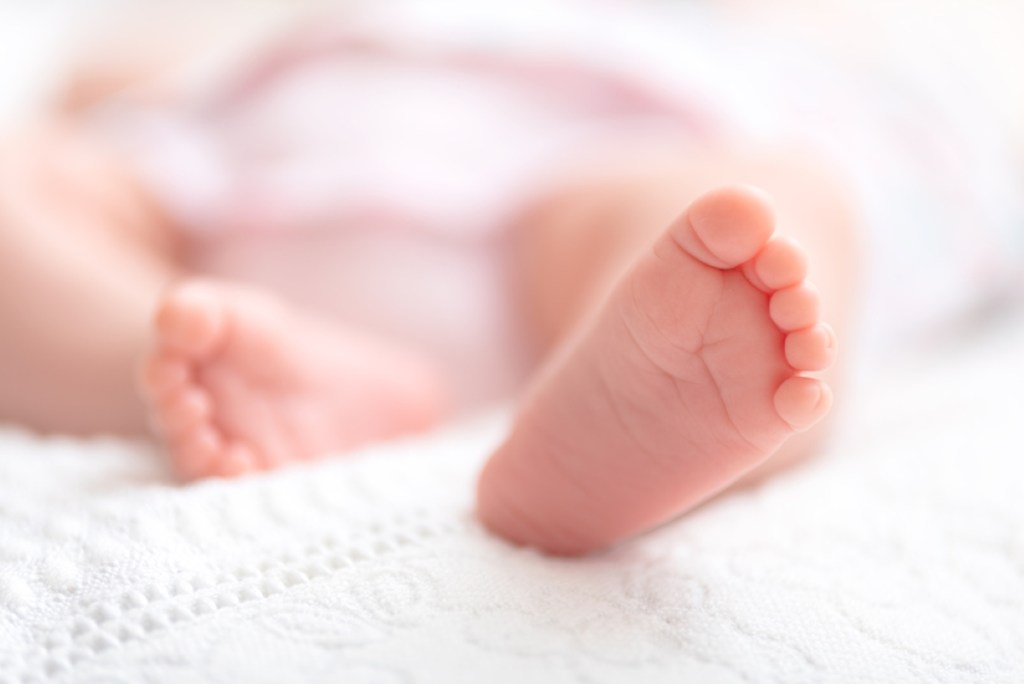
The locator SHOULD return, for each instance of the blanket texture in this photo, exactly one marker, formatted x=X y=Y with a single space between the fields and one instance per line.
x=897 y=556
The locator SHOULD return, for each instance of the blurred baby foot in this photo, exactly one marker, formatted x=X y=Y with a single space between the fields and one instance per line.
x=692 y=375
x=238 y=382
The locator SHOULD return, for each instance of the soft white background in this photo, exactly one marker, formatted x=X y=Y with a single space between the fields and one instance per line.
x=897 y=556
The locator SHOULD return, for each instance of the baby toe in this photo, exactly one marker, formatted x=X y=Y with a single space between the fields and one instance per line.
x=726 y=227
x=184 y=411
x=795 y=308
x=164 y=374
x=236 y=460
x=782 y=263
x=802 y=402
x=195 y=453
x=811 y=349
x=190 y=320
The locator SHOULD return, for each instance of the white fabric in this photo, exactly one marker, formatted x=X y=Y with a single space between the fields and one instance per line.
x=899 y=556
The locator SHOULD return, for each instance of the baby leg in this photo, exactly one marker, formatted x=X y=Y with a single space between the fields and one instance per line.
x=682 y=363
x=83 y=256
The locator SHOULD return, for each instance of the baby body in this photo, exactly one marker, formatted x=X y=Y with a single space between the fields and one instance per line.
x=662 y=301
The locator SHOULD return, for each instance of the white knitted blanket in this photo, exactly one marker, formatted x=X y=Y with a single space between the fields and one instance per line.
x=898 y=556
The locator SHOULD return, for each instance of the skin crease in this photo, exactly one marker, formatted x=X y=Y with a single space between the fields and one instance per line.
x=665 y=400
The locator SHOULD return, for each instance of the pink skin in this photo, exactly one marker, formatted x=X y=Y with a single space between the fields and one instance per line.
x=693 y=374
x=635 y=421
x=239 y=382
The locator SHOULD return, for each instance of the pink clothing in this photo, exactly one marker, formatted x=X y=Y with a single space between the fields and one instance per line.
x=369 y=165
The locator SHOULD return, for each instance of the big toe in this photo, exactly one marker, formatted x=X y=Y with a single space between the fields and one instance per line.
x=726 y=227
x=190 y=319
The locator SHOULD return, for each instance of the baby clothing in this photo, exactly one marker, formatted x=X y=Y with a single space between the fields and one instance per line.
x=370 y=163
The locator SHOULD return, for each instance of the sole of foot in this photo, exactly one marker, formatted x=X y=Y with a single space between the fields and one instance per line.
x=698 y=369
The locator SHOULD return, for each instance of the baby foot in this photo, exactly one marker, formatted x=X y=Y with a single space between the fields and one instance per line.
x=691 y=376
x=237 y=382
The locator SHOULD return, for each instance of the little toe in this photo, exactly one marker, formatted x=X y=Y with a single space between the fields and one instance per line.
x=270 y=460
x=164 y=374
x=190 y=320
x=238 y=459
x=811 y=349
x=184 y=411
x=195 y=454
x=726 y=227
x=782 y=263
x=802 y=402
x=795 y=308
